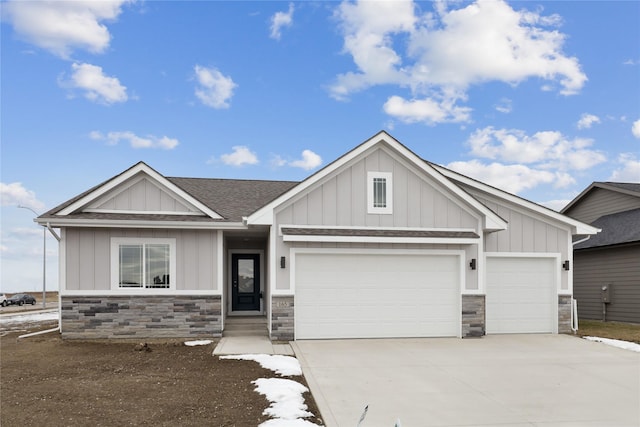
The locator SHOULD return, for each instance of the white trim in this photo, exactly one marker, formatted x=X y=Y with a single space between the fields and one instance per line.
x=128 y=174
x=577 y=226
x=380 y=239
x=116 y=242
x=229 y=311
x=388 y=177
x=491 y=221
x=129 y=212
x=138 y=223
x=150 y=293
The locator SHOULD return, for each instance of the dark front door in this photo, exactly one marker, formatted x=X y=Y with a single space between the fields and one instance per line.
x=245 y=282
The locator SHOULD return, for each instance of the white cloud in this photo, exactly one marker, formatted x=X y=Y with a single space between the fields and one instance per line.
x=450 y=50
x=214 y=89
x=587 y=120
x=150 y=141
x=548 y=149
x=96 y=85
x=280 y=20
x=504 y=106
x=511 y=178
x=240 y=156
x=629 y=170
x=556 y=205
x=62 y=26
x=277 y=161
x=635 y=129
x=426 y=110
x=14 y=194
x=309 y=160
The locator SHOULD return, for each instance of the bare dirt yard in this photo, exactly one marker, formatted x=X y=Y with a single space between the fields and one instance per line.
x=613 y=330
x=47 y=381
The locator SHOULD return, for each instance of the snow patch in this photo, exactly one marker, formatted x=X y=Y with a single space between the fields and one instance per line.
x=285 y=396
x=282 y=365
x=279 y=422
x=29 y=318
x=625 y=345
x=198 y=342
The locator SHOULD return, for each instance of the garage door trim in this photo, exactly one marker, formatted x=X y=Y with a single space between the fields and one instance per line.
x=459 y=255
x=557 y=277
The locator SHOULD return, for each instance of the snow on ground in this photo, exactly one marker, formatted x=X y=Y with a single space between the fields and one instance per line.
x=281 y=365
x=285 y=396
x=198 y=342
x=29 y=318
x=287 y=404
x=626 y=345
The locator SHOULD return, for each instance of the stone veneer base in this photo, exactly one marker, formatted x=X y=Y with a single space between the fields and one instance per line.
x=282 y=318
x=473 y=316
x=141 y=316
x=564 y=314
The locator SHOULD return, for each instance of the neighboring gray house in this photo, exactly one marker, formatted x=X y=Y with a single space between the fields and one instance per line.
x=379 y=243
x=612 y=257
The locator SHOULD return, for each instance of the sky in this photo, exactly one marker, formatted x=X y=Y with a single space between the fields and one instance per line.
x=537 y=98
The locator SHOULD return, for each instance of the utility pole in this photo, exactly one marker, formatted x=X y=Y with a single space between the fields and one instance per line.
x=44 y=259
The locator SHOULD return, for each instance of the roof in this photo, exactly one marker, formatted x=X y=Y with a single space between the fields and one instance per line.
x=617 y=228
x=629 y=188
x=233 y=199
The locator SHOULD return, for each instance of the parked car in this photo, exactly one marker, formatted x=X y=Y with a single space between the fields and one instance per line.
x=21 y=299
x=3 y=300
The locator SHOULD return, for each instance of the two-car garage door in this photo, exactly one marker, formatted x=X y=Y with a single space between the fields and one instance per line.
x=376 y=295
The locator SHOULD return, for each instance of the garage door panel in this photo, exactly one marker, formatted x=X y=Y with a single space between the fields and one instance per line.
x=375 y=295
x=521 y=295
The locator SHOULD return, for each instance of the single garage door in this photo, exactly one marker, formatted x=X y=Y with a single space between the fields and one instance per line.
x=376 y=295
x=521 y=295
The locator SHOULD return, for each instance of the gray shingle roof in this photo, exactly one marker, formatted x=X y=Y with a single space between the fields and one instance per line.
x=629 y=186
x=233 y=198
x=618 y=228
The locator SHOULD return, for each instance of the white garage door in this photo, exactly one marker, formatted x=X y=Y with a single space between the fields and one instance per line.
x=521 y=295
x=374 y=295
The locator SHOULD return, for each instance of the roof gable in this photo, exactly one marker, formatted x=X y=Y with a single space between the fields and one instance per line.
x=626 y=188
x=577 y=227
x=113 y=196
x=491 y=221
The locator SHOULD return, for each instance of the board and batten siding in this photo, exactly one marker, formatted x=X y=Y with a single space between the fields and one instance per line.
x=141 y=196
x=618 y=267
x=88 y=257
x=341 y=200
x=601 y=201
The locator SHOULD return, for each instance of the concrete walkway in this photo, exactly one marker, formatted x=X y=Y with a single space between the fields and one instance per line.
x=508 y=380
x=250 y=345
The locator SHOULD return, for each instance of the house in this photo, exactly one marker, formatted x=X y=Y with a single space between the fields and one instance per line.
x=379 y=243
x=610 y=259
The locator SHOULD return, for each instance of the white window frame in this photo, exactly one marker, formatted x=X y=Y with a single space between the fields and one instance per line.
x=116 y=242
x=388 y=177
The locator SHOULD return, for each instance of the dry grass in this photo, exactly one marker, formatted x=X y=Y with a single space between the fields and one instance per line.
x=614 y=330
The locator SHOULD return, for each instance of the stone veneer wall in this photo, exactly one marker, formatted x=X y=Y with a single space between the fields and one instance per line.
x=564 y=314
x=473 y=316
x=282 y=318
x=141 y=316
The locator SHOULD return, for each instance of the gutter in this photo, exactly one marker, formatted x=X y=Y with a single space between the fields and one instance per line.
x=581 y=240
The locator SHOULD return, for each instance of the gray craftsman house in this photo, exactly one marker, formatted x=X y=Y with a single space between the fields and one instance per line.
x=379 y=243
x=611 y=259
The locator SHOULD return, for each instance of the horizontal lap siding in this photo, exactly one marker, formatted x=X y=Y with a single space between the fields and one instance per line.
x=88 y=257
x=600 y=202
x=619 y=267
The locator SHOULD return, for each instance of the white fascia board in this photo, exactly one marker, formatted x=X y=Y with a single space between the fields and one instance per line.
x=106 y=223
x=378 y=239
x=577 y=227
x=118 y=180
x=374 y=228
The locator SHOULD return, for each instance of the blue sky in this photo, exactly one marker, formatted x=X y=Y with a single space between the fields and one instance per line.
x=537 y=98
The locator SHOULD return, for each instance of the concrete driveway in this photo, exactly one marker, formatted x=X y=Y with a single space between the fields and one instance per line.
x=506 y=380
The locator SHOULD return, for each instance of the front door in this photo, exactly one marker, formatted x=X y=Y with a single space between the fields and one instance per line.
x=245 y=282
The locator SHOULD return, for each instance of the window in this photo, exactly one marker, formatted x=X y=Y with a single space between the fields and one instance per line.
x=380 y=193
x=142 y=263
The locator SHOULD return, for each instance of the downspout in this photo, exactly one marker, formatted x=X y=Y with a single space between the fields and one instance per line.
x=52 y=231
